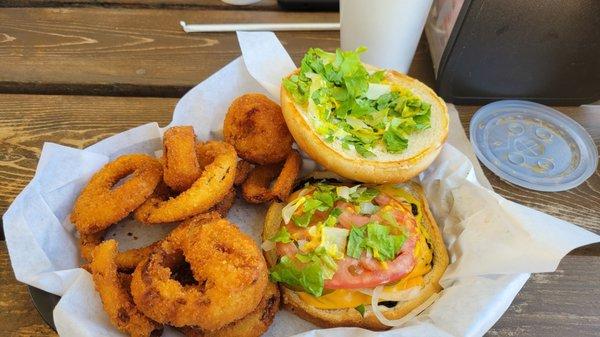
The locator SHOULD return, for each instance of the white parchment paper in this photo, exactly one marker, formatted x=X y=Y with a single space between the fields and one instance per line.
x=493 y=243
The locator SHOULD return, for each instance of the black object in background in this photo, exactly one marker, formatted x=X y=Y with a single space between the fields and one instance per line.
x=546 y=51
x=44 y=303
x=310 y=5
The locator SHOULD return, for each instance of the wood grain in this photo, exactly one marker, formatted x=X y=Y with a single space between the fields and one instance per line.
x=27 y=121
x=211 y=4
x=137 y=52
x=563 y=303
x=18 y=316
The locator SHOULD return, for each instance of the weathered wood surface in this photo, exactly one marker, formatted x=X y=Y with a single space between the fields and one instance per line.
x=18 y=316
x=27 y=121
x=212 y=4
x=136 y=52
x=140 y=52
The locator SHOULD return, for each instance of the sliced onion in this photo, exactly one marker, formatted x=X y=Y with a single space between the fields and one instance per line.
x=288 y=210
x=398 y=296
x=397 y=322
x=267 y=245
x=368 y=208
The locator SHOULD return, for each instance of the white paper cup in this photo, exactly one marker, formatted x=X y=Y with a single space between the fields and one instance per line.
x=390 y=29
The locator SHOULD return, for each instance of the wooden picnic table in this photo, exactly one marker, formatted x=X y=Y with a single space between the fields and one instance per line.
x=77 y=71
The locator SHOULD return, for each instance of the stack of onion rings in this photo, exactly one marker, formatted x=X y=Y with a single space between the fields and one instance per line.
x=227 y=264
x=206 y=277
x=211 y=187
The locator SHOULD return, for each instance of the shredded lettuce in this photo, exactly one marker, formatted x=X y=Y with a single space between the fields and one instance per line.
x=356 y=241
x=309 y=277
x=303 y=219
x=344 y=192
x=360 y=110
x=282 y=235
x=361 y=309
x=377 y=239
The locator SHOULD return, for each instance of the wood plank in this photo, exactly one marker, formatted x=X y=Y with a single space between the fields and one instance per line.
x=137 y=52
x=26 y=122
x=578 y=205
x=213 y=4
x=563 y=303
x=18 y=316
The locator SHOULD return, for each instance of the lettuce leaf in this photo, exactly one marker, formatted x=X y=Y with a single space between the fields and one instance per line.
x=282 y=235
x=354 y=107
x=309 y=278
x=356 y=240
x=377 y=239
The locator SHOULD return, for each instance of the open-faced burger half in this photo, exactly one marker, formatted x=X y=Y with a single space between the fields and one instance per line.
x=363 y=123
x=355 y=255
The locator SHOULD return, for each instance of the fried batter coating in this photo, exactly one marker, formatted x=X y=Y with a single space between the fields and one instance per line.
x=213 y=185
x=181 y=167
x=255 y=126
x=141 y=213
x=126 y=260
x=100 y=204
x=229 y=269
x=116 y=300
x=225 y=205
x=243 y=170
x=257 y=188
x=252 y=325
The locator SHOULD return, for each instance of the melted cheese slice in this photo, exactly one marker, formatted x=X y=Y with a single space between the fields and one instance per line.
x=345 y=298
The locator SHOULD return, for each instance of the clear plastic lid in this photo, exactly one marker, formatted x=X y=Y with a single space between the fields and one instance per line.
x=532 y=145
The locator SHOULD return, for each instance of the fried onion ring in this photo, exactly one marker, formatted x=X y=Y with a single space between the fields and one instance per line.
x=225 y=205
x=241 y=174
x=213 y=185
x=116 y=300
x=252 y=325
x=181 y=167
x=126 y=260
x=101 y=204
x=258 y=188
x=162 y=194
x=227 y=264
x=254 y=125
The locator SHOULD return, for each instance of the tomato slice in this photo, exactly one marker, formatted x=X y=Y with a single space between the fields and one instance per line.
x=289 y=249
x=352 y=274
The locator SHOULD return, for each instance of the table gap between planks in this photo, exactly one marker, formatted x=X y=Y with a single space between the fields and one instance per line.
x=74 y=72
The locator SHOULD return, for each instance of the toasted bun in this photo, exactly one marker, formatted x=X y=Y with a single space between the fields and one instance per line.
x=351 y=317
x=423 y=146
